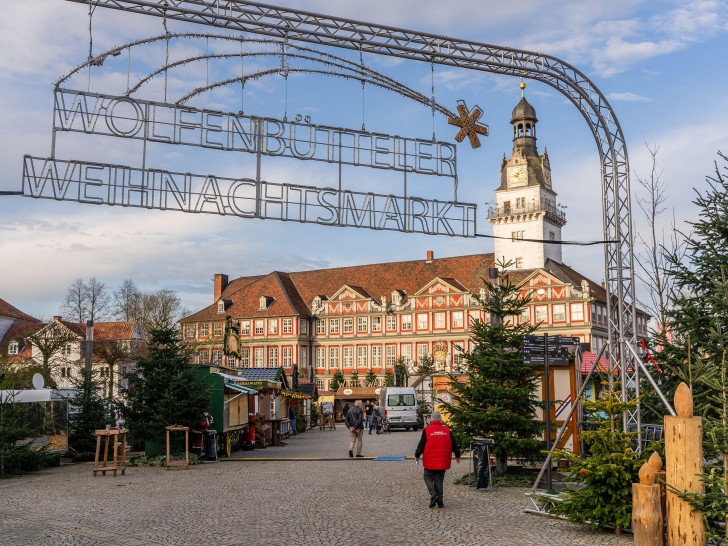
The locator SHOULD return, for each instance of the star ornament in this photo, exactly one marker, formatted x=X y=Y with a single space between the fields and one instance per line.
x=468 y=123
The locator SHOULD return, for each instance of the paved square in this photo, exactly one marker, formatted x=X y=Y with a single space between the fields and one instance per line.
x=276 y=502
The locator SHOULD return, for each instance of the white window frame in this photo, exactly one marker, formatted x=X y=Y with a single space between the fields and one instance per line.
x=286 y=357
x=13 y=348
x=559 y=312
x=303 y=357
x=423 y=321
x=334 y=358
x=287 y=326
x=272 y=357
x=348 y=325
x=542 y=314
x=67 y=349
x=440 y=320
x=576 y=311
x=376 y=324
x=423 y=349
x=259 y=327
x=334 y=326
x=391 y=355
x=245 y=357
x=405 y=351
x=259 y=357
x=525 y=316
x=457 y=319
x=303 y=326
x=376 y=356
x=216 y=356
x=348 y=356
x=245 y=328
x=320 y=327
x=361 y=325
x=361 y=356
x=391 y=323
x=204 y=329
x=405 y=322
x=217 y=328
x=272 y=327
x=320 y=354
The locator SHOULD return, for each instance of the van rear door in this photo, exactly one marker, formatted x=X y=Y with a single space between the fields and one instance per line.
x=402 y=409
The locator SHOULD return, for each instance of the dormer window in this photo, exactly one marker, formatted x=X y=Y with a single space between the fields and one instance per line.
x=221 y=306
x=265 y=302
x=14 y=348
x=396 y=297
x=317 y=303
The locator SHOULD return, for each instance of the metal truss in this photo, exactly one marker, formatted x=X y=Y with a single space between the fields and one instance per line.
x=324 y=30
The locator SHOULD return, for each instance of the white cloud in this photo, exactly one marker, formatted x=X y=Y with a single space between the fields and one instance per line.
x=627 y=96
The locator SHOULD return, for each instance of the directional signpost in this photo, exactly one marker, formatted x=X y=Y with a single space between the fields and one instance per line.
x=544 y=351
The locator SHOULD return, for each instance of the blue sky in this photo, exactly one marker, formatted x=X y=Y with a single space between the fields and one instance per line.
x=662 y=66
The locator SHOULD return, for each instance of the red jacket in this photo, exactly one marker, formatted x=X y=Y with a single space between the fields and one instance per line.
x=438 y=447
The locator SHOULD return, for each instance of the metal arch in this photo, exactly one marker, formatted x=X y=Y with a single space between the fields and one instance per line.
x=325 y=30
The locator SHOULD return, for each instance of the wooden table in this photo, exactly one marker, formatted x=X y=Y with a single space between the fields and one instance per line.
x=183 y=462
x=118 y=434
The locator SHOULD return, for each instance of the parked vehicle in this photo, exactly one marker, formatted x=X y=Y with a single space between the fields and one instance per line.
x=399 y=405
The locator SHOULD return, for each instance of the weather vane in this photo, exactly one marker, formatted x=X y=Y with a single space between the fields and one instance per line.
x=468 y=123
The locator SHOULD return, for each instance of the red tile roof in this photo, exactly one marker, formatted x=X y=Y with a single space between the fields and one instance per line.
x=113 y=331
x=7 y=310
x=587 y=361
x=294 y=292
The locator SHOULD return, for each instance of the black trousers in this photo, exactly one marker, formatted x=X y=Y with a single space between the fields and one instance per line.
x=434 y=480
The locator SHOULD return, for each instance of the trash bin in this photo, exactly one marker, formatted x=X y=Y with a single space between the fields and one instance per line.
x=480 y=448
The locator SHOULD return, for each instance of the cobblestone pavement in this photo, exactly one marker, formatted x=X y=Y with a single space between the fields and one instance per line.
x=275 y=502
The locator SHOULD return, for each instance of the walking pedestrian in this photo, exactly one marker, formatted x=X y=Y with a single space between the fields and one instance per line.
x=436 y=444
x=292 y=418
x=368 y=412
x=375 y=420
x=355 y=422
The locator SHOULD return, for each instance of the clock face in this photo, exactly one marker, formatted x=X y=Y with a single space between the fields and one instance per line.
x=517 y=176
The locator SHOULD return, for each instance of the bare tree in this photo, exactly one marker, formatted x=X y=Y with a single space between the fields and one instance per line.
x=97 y=300
x=86 y=300
x=111 y=353
x=127 y=301
x=74 y=304
x=51 y=343
x=655 y=244
x=160 y=309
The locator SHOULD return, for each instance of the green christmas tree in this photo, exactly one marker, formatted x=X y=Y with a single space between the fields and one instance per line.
x=89 y=413
x=371 y=378
x=336 y=381
x=605 y=477
x=499 y=401
x=164 y=390
x=698 y=308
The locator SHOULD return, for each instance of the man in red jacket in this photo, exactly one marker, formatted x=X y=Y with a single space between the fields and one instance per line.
x=435 y=445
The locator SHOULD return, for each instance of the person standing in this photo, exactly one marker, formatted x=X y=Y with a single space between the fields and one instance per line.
x=436 y=444
x=354 y=420
x=292 y=418
x=375 y=419
x=368 y=412
x=345 y=410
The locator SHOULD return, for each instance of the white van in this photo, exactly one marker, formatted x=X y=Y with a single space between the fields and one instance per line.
x=399 y=405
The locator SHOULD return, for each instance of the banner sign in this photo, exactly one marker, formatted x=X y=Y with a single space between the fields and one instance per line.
x=126 y=117
x=107 y=184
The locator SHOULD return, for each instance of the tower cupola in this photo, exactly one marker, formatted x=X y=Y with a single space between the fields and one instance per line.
x=524 y=122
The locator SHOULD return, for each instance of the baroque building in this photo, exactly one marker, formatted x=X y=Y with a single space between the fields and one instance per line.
x=364 y=318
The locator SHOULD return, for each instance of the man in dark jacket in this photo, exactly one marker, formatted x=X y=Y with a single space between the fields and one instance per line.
x=354 y=421
x=436 y=444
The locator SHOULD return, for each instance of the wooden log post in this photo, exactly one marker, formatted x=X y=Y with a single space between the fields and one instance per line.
x=683 y=465
x=656 y=463
x=646 y=511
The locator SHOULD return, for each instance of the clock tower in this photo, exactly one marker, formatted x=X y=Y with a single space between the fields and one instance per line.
x=525 y=201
